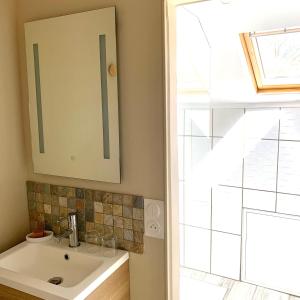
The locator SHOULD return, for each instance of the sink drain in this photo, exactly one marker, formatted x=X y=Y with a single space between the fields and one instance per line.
x=56 y=280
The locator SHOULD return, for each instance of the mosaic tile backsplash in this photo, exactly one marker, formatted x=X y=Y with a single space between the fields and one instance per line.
x=110 y=214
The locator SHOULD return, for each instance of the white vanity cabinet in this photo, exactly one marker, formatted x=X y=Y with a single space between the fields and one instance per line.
x=73 y=95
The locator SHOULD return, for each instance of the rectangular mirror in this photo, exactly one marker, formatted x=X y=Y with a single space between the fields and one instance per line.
x=73 y=95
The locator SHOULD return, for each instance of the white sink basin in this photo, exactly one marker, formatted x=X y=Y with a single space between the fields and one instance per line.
x=29 y=266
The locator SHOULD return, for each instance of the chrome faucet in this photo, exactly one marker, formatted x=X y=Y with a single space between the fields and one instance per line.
x=72 y=231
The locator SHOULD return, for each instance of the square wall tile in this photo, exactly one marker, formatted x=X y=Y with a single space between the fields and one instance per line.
x=225 y=255
x=196 y=151
x=290 y=124
x=289 y=167
x=260 y=166
x=259 y=200
x=201 y=147
x=257 y=115
x=288 y=204
x=197 y=248
x=233 y=174
x=197 y=206
x=63 y=201
x=224 y=119
x=198 y=122
x=227 y=209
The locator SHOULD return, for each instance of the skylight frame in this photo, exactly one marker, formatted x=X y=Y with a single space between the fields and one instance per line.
x=255 y=65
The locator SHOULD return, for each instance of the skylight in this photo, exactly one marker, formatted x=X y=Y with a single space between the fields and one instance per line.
x=273 y=59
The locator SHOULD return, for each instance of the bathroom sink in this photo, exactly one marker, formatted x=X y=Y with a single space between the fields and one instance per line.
x=52 y=270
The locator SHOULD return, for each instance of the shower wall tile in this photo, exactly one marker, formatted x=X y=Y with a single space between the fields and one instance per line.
x=289 y=167
x=260 y=166
x=259 y=200
x=224 y=119
x=198 y=122
x=201 y=147
x=273 y=132
x=265 y=176
x=225 y=255
x=288 y=204
x=197 y=205
x=233 y=176
x=197 y=248
x=109 y=214
x=290 y=124
x=227 y=209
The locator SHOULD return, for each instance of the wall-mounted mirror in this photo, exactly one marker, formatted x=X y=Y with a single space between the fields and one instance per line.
x=73 y=95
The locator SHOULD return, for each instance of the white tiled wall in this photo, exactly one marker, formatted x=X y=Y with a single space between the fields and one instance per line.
x=227 y=209
x=259 y=200
x=225 y=256
x=265 y=177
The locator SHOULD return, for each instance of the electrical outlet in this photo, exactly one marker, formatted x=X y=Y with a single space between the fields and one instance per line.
x=154 y=218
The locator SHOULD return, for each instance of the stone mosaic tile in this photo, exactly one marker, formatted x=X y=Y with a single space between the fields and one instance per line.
x=138 y=225
x=138 y=237
x=127 y=223
x=138 y=214
x=63 y=212
x=110 y=214
x=89 y=215
x=79 y=193
x=54 y=200
x=99 y=218
x=128 y=200
x=118 y=222
x=127 y=212
x=117 y=210
x=89 y=226
x=55 y=210
x=117 y=199
x=108 y=220
x=107 y=208
x=98 y=207
x=63 y=201
x=138 y=202
x=128 y=235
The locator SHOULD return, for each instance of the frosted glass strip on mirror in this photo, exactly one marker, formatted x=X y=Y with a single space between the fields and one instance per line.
x=104 y=93
x=38 y=97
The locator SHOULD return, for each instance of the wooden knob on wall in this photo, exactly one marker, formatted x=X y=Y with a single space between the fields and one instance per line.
x=112 y=70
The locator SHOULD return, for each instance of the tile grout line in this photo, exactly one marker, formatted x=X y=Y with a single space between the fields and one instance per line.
x=242 y=220
x=211 y=191
x=183 y=200
x=277 y=166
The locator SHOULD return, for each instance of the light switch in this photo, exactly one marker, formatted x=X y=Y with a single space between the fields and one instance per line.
x=154 y=218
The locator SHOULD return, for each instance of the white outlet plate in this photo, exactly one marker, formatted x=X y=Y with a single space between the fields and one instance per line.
x=154 y=218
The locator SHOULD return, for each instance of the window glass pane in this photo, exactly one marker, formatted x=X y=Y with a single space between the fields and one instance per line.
x=279 y=57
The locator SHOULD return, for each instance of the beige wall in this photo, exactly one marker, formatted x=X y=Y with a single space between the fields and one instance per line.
x=140 y=51
x=13 y=212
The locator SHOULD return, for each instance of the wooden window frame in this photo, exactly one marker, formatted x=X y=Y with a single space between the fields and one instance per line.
x=253 y=65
